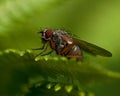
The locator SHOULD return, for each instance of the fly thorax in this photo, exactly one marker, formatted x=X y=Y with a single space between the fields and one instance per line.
x=59 y=42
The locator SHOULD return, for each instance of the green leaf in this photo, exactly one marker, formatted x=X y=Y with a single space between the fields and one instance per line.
x=20 y=72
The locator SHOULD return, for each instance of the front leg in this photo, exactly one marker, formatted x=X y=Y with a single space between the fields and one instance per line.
x=44 y=49
x=40 y=48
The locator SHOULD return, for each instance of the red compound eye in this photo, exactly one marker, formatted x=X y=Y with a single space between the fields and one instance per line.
x=48 y=33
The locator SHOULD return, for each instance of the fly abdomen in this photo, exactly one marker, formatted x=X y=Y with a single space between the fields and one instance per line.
x=75 y=52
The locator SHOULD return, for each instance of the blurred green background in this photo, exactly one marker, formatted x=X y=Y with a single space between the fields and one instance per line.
x=95 y=21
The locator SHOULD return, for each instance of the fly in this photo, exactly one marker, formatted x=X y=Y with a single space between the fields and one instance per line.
x=68 y=46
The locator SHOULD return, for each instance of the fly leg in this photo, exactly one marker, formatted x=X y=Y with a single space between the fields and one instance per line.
x=47 y=53
x=41 y=48
x=78 y=57
x=44 y=49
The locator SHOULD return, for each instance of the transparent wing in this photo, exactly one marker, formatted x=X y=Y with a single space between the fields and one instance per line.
x=91 y=48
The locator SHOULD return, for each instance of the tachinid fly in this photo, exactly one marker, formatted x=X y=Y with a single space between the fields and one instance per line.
x=68 y=46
